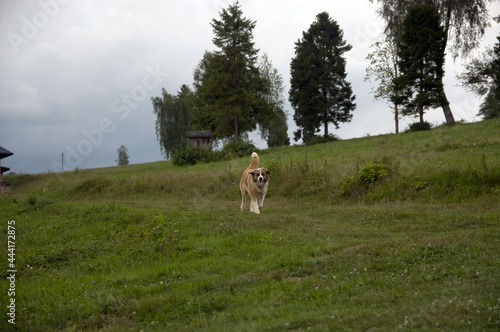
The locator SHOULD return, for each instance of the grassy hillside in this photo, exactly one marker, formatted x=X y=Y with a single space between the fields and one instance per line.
x=390 y=232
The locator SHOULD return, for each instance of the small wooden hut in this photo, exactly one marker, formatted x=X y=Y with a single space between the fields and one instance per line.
x=200 y=139
x=4 y=186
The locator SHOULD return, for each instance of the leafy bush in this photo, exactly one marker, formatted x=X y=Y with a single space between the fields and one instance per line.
x=419 y=126
x=372 y=173
x=244 y=148
x=193 y=156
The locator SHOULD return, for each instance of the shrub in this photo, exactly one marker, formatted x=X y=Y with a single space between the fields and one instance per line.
x=419 y=126
x=372 y=172
x=355 y=185
x=244 y=148
x=192 y=156
x=322 y=139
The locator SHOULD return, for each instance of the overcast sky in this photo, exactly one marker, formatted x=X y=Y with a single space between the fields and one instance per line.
x=77 y=76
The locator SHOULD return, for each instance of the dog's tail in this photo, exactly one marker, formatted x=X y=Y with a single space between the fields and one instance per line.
x=255 y=161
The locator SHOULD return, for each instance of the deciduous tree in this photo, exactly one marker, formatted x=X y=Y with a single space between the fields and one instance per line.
x=464 y=24
x=273 y=126
x=384 y=69
x=122 y=156
x=173 y=115
x=482 y=76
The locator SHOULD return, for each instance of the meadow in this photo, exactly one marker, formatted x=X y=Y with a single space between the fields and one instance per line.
x=384 y=233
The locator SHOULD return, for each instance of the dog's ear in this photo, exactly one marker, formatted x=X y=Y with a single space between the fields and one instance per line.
x=251 y=173
x=268 y=171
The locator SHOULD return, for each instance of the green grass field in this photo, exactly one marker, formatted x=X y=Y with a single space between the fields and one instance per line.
x=385 y=233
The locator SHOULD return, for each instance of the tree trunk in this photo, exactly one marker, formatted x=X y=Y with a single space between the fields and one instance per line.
x=396 y=117
x=448 y=115
x=236 y=131
x=446 y=105
x=421 y=113
x=326 y=128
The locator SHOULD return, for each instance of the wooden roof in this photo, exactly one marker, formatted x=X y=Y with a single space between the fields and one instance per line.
x=199 y=134
x=4 y=153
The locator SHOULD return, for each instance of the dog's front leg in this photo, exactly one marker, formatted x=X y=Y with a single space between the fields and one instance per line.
x=254 y=206
x=243 y=194
x=261 y=200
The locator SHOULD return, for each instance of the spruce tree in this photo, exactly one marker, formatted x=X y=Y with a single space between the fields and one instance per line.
x=421 y=60
x=319 y=92
x=228 y=85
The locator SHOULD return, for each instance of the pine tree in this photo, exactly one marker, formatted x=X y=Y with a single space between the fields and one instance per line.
x=228 y=85
x=421 y=60
x=319 y=92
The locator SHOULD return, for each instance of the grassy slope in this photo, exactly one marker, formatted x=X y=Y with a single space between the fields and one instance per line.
x=156 y=247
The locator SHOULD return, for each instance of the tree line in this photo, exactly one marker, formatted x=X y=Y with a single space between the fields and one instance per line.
x=235 y=91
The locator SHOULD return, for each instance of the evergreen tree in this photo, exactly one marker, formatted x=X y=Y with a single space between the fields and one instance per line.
x=319 y=92
x=228 y=85
x=421 y=60
x=173 y=114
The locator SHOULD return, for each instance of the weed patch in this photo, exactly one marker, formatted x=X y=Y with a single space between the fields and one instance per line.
x=368 y=177
x=93 y=186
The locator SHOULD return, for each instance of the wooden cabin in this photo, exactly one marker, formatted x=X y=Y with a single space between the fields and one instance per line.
x=4 y=186
x=201 y=139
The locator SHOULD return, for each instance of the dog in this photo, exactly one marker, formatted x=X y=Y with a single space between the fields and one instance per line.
x=254 y=181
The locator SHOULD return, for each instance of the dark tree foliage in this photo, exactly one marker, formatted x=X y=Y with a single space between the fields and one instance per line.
x=482 y=76
x=495 y=70
x=173 y=114
x=421 y=61
x=490 y=108
x=464 y=22
x=319 y=92
x=228 y=85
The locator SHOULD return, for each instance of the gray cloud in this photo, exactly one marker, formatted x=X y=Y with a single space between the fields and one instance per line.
x=77 y=77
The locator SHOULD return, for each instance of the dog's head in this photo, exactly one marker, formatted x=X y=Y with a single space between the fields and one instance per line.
x=260 y=176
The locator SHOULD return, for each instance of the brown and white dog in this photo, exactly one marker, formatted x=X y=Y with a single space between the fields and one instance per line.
x=254 y=181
